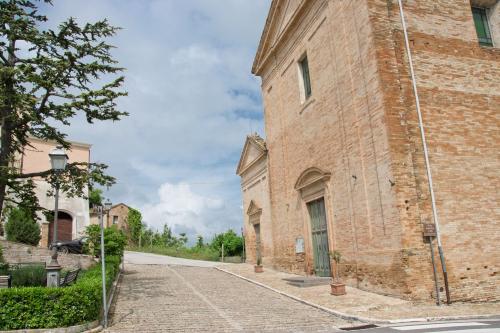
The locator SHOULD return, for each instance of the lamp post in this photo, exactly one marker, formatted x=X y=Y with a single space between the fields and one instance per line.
x=58 y=161
x=106 y=208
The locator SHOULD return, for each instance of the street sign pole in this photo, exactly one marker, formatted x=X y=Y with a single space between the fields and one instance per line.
x=103 y=263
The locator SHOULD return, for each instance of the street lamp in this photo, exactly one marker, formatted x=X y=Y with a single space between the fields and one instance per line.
x=58 y=161
x=106 y=207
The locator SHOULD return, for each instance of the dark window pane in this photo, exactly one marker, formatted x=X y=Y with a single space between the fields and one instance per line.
x=482 y=26
x=304 y=65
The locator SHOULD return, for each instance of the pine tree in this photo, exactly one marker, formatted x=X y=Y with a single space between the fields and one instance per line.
x=47 y=77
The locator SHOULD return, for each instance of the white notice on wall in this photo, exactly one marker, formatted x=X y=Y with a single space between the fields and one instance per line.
x=299 y=245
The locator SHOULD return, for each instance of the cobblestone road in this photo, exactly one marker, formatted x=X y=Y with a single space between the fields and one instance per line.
x=166 y=298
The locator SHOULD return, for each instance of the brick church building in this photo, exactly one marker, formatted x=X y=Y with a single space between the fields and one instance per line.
x=343 y=165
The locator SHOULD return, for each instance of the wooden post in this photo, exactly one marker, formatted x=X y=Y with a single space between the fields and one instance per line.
x=222 y=252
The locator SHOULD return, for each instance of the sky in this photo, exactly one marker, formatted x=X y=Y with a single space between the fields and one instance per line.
x=192 y=101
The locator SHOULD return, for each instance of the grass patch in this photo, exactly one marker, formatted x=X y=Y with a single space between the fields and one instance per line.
x=196 y=253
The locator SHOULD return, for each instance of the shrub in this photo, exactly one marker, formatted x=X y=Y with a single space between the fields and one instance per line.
x=21 y=227
x=114 y=241
x=28 y=276
x=38 y=307
x=233 y=244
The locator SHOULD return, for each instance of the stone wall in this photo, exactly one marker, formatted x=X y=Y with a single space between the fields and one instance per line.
x=22 y=253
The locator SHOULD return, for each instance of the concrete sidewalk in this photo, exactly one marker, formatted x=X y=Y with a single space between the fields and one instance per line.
x=359 y=304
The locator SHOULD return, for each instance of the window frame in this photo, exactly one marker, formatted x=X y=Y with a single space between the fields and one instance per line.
x=483 y=12
x=305 y=78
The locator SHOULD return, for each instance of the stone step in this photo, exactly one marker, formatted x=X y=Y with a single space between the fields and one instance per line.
x=308 y=281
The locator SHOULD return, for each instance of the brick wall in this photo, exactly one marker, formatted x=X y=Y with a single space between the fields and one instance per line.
x=360 y=125
x=458 y=88
x=22 y=253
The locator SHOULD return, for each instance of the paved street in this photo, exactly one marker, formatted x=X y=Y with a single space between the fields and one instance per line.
x=172 y=298
x=165 y=294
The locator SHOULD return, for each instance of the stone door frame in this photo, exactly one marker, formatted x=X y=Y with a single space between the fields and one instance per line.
x=312 y=185
x=254 y=213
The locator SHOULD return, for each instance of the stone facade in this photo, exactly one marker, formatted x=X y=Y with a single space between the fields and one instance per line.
x=118 y=215
x=355 y=142
x=256 y=210
x=23 y=253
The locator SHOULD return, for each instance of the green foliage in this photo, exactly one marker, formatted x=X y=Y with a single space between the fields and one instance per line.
x=134 y=221
x=22 y=228
x=48 y=77
x=114 y=241
x=95 y=197
x=233 y=244
x=28 y=276
x=1 y=255
x=39 y=307
x=199 y=241
x=336 y=256
x=168 y=244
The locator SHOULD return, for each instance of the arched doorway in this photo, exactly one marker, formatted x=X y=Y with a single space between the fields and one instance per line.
x=312 y=188
x=64 y=227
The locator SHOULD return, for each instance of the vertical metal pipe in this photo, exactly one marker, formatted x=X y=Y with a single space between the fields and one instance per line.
x=426 y=153
x=56 y=214
x=436 y=283
x=103 y=268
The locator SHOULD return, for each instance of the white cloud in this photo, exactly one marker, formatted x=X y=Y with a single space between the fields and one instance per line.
x=192 y=100
x=179 y=206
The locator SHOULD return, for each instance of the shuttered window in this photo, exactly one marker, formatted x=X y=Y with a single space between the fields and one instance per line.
x=482 y=26
x=304 y=67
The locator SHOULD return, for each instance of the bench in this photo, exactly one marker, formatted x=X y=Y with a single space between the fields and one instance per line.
x=69 y=278
x=5 y=281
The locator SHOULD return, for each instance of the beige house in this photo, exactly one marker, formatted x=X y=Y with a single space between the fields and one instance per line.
x=343 y=166
x=73 y=212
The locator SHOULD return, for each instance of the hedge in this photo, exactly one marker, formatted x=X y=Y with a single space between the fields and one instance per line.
x=40 y=307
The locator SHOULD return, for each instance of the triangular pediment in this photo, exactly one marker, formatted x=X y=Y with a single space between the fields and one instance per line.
x=253 y=150
x=253 y=209
x=281 y=15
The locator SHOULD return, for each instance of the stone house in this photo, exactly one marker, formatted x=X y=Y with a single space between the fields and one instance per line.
x=117 y=215
x=344 y=166
x=73 y=216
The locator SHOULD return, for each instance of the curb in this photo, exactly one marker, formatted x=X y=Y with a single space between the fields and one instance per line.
x=87 y=327
x=360 y=318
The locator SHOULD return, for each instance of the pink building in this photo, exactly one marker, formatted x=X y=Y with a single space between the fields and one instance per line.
x=73 y=212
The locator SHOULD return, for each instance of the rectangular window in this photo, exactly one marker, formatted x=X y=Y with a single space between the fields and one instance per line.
x=115 y=219
x=482 y=26
x=306 y=80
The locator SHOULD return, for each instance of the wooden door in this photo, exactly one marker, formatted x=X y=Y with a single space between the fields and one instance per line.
x=258 y=254
x=319 y=233
x=64 y=228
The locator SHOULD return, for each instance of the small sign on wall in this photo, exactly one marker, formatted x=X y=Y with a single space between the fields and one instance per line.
x=299 y=245
x=429 y=230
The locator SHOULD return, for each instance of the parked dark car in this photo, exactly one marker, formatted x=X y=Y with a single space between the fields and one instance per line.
x=73 y=246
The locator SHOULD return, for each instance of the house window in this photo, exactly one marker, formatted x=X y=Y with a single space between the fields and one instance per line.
x=483 y=31
x=115 y=219
x=306 y=79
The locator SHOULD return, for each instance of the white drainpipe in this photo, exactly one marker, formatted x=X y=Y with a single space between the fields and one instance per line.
x=426 y=153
